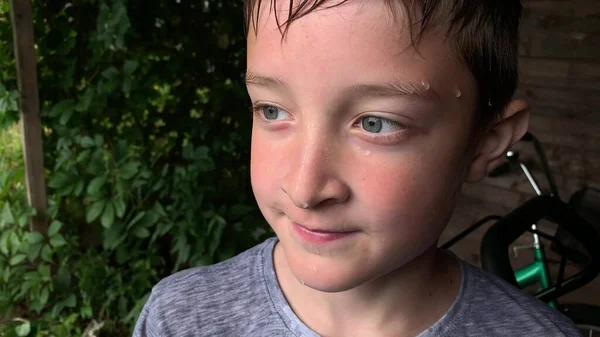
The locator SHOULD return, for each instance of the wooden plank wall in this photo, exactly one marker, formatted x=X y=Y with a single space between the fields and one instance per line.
x=560 y=77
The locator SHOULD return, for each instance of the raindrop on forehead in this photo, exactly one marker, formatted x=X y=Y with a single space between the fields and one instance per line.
x=457 y=92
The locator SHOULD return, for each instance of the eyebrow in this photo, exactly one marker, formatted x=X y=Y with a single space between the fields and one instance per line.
x=407 y=89
x=264 y=81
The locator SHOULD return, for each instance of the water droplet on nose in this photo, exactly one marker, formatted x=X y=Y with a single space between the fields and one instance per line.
x=426 y=85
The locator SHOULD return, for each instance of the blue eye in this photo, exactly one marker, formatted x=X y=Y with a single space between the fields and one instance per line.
x=272 y=113
x=373 y=124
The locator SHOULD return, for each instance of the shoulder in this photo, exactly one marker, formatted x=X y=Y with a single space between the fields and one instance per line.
x=209 y=299
x=493 y=307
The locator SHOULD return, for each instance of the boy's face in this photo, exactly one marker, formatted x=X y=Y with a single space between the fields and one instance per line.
x=355 y=131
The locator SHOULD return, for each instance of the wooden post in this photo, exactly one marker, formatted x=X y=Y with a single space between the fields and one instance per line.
x=22 y=27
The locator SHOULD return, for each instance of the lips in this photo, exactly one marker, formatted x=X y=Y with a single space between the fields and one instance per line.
x=320 y=236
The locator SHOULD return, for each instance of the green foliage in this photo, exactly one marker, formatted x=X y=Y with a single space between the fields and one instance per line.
x=146 y=140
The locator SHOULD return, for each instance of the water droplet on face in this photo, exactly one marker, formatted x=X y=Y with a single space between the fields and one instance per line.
x=426 y=85
x=314 y=268
x=457 y=93
x=367 y=153
x=489 y=102
x=302 y=282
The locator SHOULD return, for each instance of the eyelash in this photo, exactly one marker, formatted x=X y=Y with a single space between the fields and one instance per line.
x=255 y=110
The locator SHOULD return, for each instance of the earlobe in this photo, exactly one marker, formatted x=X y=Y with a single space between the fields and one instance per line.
x=494 y=143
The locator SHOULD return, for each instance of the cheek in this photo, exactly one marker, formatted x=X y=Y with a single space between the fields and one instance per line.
x=261 y=156
x=408 y=194
x=266 y=163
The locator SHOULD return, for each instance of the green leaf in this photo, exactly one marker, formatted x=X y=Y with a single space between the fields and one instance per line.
x=66 y=116
x=57 y=241
x=86 y=311
x=83 y=156
x=136 y=219
x=6 y=274
x=159 y=209
x=59 y=180
x=99 y=140
x=44 y=296
x=108 y=215
x=62 y=107
x=85 y=101
x=110 y=73
x=35 y=237
x=46 y=254
x=70 y=301
x=119 y=205
x=79 y=188
x=87 y=141
x=17 y=259
x=129 y=67
x=55 y=227
x=7 y=216
x=4 y=239
x=216 y=237
x=44 y=271
x=129 y=170
x=95 y=210
x=34 y=251
x=96 y=185
x=23 y=329
x=113 y=236
x=126 y=86
x=239 y=210
x=141 y=232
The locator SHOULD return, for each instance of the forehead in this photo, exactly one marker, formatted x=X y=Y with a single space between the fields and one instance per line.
x=355 y=42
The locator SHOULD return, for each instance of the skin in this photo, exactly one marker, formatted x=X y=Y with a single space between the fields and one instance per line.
x=315 y=164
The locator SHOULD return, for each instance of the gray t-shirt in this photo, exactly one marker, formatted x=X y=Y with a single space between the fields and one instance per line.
x=241 y=297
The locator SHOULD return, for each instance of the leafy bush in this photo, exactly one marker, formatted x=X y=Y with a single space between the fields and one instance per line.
x=146 y=135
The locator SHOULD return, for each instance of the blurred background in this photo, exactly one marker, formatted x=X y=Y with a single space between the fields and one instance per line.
x=146 y=127
x=560 y=78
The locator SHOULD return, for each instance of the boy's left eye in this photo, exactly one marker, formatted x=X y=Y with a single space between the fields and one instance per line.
x=373 y=124
x=272 y=113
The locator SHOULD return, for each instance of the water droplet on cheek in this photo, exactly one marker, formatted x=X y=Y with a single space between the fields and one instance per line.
x=314 y=268
x=426 y=85
x=302 y=282
x=457 y=93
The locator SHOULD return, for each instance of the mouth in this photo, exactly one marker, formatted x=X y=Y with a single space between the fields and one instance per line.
x=321 y=236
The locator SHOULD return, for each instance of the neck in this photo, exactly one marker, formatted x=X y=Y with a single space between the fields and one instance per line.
x=408 y=300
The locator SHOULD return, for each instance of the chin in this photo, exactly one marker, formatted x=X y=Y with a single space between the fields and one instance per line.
x=329 y=275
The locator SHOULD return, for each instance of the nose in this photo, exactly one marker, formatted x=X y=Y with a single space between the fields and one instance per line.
x=312 y=178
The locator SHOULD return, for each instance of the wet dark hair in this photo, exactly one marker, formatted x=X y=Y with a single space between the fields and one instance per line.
x=484 y=35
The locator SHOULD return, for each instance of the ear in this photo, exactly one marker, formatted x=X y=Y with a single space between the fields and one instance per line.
x=494 y=143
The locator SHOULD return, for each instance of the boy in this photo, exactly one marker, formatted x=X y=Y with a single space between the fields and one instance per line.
x=368 y=116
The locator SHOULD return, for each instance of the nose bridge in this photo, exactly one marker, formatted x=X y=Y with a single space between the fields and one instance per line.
x=313 y=159
x=311 y=178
